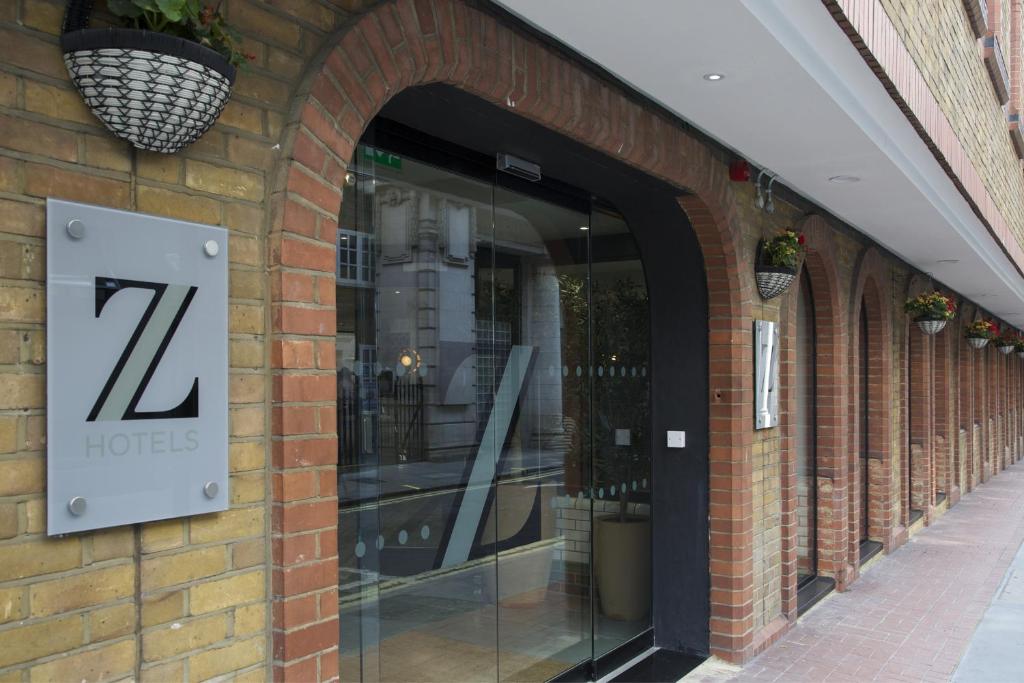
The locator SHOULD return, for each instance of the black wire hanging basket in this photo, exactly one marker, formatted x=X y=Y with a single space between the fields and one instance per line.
x=157 y=91
x=772 y=281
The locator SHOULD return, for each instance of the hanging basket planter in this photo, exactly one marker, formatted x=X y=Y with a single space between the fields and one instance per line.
x=931 y=311
x=776 y=263
x=980 y=332
x=772 y=281
x=157 y=91
x=930 y=325
x=1008 y=341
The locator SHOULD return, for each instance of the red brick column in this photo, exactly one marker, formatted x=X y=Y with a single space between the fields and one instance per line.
x=981 y=410
x=944 y=377
x=920 y=347
x=402 y=44
x=992 y=392
x=965 y=402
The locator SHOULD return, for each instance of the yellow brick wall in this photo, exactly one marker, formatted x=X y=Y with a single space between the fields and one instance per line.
x=940 y=40
x=183 y=599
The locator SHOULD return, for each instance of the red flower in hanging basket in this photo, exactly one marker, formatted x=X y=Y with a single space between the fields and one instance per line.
x=801 y=239
x=981 y=329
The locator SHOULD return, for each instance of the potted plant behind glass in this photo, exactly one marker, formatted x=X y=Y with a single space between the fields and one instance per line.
x=980 y=332
x=159 y=81
x=931 y=311
x=621 y=447
x=777 y=262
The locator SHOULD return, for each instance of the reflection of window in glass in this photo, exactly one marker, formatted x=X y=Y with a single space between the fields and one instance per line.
x=355 y=258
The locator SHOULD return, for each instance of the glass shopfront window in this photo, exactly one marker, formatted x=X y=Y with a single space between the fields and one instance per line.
x=493 y=383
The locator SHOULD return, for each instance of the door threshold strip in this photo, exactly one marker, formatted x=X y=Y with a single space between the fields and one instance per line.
x=657 y=665
x=607 y=678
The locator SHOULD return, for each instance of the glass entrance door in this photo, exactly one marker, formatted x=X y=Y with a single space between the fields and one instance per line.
x=492 y=411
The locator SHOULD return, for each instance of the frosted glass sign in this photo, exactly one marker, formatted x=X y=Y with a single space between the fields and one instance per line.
x=137 y=364
x=766 y=371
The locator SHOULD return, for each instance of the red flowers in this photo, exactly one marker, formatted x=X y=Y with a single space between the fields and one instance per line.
x=801 y=239
x=949 y=305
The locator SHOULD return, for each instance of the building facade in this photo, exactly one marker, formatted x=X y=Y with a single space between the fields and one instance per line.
x=460 y=396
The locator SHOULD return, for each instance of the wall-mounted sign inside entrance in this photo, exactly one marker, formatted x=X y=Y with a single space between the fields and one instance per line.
x=137 y=357
x=766 y=374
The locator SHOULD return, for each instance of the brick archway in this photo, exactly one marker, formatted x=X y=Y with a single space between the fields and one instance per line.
x=872 y=291
x=403 y=44
x=831 y=456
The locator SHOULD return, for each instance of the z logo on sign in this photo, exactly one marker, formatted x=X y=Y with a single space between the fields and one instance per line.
x=120 y=396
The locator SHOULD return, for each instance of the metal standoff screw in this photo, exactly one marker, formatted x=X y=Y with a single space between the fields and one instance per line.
x=211 y=248
x=76 y=229
x=210 y=489
x=76 y=506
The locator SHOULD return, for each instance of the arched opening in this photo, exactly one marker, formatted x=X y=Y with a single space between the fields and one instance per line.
x=815 y=423
x=497 y=478
x=865 y=498
x=805 y=376
x=871 y=508
x=700 y=309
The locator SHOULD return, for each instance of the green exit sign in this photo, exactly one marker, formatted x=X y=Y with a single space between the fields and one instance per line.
x=382 y=158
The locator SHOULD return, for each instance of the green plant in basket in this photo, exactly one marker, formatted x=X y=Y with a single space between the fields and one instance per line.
x=931 y=306
x=188 y=19
x=784 y=250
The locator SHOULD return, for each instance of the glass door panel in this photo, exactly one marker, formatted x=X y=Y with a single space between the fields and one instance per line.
x=470 y=340
x=542 y=512
x=621 y=429
x=413 y=478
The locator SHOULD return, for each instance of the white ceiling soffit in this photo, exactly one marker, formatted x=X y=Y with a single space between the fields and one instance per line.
x=796 y=98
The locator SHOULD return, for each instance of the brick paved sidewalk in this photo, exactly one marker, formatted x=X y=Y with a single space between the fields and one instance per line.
x=911 y=615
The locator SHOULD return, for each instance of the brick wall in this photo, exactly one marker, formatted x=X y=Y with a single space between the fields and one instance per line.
x=943 y=47
x=175 y=600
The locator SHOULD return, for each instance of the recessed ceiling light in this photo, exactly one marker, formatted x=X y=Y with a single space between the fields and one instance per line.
x=713 y=77
x=844 y=179
x=948 y=260
x=584 y=227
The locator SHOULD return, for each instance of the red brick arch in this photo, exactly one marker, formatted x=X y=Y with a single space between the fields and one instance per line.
x=407 y=43
x=872 y=290
x=831 y=435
